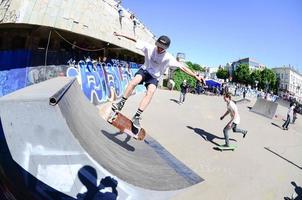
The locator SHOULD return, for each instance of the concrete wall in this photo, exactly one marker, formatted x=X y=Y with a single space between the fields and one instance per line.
x=94 y=18
x=100 y=82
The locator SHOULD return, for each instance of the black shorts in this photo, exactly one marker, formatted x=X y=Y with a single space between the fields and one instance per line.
x=147 y=78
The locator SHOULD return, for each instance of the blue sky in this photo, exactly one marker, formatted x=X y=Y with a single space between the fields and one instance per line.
x=214 y=32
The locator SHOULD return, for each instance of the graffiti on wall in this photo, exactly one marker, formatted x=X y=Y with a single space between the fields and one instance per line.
x=100 y=81
x=7 y=15
x=12 y=80
x=104 y=81
x=42 y=73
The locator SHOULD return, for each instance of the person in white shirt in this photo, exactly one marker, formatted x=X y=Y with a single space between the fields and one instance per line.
x=157 y=60
x=235 y=119
x=290 y=116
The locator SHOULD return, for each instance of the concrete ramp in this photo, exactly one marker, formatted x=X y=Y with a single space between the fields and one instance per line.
x=265 y=108
x=59 y=144
x=242 y=101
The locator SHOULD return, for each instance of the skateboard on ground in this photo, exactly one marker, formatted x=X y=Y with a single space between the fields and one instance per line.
x=224 y=148
x=125 y=125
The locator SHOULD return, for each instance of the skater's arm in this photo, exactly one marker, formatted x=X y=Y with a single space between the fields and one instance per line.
x=124 y=36
x=191 y=73
x=225 y=114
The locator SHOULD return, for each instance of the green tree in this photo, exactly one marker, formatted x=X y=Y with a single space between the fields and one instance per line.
x=255 y=76
x=179 y=75
x=222 y=73
x=268 y=80
x=242 y=74
x=195 y=67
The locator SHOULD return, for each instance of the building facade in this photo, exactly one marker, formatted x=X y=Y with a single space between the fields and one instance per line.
x=253 y=65
x=290 y=81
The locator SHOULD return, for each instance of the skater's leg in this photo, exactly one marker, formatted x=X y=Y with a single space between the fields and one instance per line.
x=181 y=97
x=286 y=123
x=148 y=96
x=131 y=86
x=226 y=135
x=143 y=104
x=238 y=130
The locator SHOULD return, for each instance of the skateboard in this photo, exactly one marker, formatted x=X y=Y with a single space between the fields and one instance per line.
x=223 y=148
x=125 y=125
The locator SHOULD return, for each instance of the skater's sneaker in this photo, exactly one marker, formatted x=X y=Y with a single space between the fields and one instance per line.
x=116 y=107
x=135 y=122
x=225 y=145
x=244 y=134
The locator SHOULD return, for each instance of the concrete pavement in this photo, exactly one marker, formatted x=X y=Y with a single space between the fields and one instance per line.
x=263 y=165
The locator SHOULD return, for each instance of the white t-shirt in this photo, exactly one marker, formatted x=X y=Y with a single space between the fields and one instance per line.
x=290 y=112
x=232 y=108
x=156 y=64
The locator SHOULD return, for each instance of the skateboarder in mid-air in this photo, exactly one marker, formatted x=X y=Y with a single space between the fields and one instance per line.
x=235 y=119
x=157 y=59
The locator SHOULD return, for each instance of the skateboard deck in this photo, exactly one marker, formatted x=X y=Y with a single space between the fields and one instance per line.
x=125 y=125
x=223 y=148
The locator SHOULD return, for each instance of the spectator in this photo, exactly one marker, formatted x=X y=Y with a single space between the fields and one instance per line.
x=171 y=84
x=295 y=114
x=198 y=86
x=120 y=13
x=244 y=92
x=183 y=91
x=290 y=114
x=134 y=21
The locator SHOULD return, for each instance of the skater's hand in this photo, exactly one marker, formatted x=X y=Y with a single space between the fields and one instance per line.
x=229 y=125
x=199 y=78
x=221 y=118
x=116 y=34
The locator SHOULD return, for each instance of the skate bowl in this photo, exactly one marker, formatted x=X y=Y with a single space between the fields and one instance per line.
x=54 y=137
x=242 y=101
x=265 y=108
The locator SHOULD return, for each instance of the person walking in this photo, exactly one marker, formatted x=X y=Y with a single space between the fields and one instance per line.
x=183 y=91
x=290 y=114
x=295 y=114
x=157 y=60
x=235 y=119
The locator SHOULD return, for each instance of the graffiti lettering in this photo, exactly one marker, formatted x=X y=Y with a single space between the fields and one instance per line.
x=7 y=15
x=100 y=82
x=103 y=81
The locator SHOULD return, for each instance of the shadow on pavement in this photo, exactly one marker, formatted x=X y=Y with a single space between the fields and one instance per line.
x=297 y=194
x=207 y=136
x=174 y=100
x=122 y=143
x=274 y=124
x=88 y=176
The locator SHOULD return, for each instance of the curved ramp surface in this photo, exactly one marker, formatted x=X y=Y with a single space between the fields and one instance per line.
x=265 y=108
x=55 y=143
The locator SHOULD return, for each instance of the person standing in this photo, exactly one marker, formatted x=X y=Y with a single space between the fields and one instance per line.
x=157 y=60
x=235 y=119
x=244 y=92
x=134 y=21
x=290 y=115
x=295 y=114
x=198 y=86
x=183 y=91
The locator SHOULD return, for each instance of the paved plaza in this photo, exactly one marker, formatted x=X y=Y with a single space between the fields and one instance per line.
x=262 y=167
